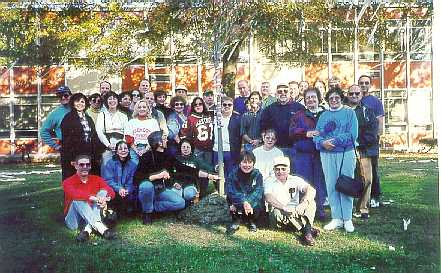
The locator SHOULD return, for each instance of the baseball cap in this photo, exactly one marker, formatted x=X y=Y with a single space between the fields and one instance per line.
x=282 y=84
x=63 y=89
x=281 y=160
x=181 y=87
x=208 y=92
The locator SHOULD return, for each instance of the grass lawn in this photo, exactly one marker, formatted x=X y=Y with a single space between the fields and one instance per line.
x=34 y=239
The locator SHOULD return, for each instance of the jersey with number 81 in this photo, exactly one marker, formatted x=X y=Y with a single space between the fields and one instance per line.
x=199 y=129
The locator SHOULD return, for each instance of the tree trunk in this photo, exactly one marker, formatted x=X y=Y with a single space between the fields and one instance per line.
x=229 y=61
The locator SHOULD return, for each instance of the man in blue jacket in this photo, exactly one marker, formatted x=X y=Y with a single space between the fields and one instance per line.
x=277 y=116
x=50 y=131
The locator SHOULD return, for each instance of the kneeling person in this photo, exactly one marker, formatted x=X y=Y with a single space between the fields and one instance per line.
x=282 y=192
x=84 y=197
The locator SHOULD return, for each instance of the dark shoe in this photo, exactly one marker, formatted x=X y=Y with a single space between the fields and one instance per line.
x=232 y=228
x=83 y=236
x=364 y=216
x=252 y=227
x=109 y=234
x=315 y=232
x=308 y=240
x=146 y=219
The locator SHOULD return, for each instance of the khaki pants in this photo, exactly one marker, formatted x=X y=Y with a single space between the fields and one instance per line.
x=366 y=177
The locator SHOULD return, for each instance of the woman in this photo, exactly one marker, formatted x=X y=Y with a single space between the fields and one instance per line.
x=307 y=160
x=118 y=173
x=250 y=122
x=125 y=101
x=136 y=96
x=174 y=123
x=199 y=129
x=110 y=125
x=187 y=180
x=78 y=136
x=95 y=106
x=245 y=193
x=321 y=86
x=139 y=128
x=338 y=131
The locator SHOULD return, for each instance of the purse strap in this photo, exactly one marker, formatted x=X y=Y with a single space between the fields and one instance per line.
x=343 y=158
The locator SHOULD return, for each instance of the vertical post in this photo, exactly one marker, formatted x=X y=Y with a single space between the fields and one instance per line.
x=382 y=91
x=39 y=110
x=329 y=51
x=200 y=91
x=407 y=39
x=11 y=109
x=219 y=94
x=355 y=61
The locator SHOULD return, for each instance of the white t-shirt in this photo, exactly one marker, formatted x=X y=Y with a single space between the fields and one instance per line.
x=288 y=193
x=114 y=122
x=264 y=160
x=141 y=129
x=225 y=135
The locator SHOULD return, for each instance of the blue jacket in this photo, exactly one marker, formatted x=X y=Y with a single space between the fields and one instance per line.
x=277 y=116
x=52 y=126
x=302 y=122
x=239 y=105
x=368 y=142
x=241 y=189
x=120 y=176
x=340 y=125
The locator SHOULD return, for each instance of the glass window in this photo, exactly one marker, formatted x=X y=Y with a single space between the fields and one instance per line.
x=395 y=107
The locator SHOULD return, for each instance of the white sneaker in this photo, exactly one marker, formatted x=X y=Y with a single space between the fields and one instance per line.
x=349 y=227
x=374 y=203
x=335 y=223
x=326 y=203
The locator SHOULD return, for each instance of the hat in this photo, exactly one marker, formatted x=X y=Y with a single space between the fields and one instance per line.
x=208 y=92
x=281 y=160
x=63 y=89
x=181 y=87
x=282 y=84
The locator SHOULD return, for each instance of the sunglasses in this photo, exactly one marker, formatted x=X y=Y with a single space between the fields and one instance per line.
x=364 y=83
x=281 y=91
x=334 y=98
x=135 y=95
x=96 y=100
x=227 y=104
x=280 y=169
x=198 y=104
x=354 y=93
x=179 y=104
x=84 y=165
x=64 y=95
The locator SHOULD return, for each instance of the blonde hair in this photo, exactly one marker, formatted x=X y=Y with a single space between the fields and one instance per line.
x=136 y=109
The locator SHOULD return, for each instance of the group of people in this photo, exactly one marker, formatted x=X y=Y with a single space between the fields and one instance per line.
x=282 y=154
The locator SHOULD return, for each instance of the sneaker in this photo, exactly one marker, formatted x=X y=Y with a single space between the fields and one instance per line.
x=252 y=227
x=315 y=232
x=374 y=203
x=349 y=227
x=357 y=214
x=146 y=219
x=335 y=223
x=109 y=234
x=365 y=216
x=326 y=203
x=83 y=236
x=308 y=239
x=232 y=228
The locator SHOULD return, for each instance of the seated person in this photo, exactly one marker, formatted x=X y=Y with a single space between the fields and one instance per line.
x=266 y=153
x=244 y=187
x=282 y=192
x=187 y=180
x=155 y=176
x=118 y=173
x=84 y=196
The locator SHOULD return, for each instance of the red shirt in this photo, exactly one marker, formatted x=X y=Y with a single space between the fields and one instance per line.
x=74 y=189
x=199 y=129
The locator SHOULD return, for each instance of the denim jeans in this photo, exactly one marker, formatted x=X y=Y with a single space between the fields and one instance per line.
x=188 y=193
x=167 y=200
x=81 y=213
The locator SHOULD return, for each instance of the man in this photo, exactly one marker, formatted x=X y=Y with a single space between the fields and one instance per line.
x=160 y=100
x=303 y=85
x=158 y=115
x=208 y=98
x=144 y=87
x=265 y=92
x=371 y=101
x=286 y=209
x=250 y=122
x=293 y=90
x=52 y=125
x=181 y=90
x=367 y=146
x=95 y=106
x=277 y=117
x=84 y=197
x=266 y=153
x=239 y=102
x=105 y=87
x=333 y=82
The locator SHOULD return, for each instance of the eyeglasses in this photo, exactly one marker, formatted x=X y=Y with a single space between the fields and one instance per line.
x=334 y=98
x=95 y=100
x=64 y=95
x=269 y=138
x=136 y=95
x=227 y=104
x=84 y=165
x=280 y=169
x=281 y=91
x=198 y=104
x=364 y=83
x=354 y=93
x=179 y=104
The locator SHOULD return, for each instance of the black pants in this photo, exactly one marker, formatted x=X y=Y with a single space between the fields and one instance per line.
x=239 y=215
x=375 y=190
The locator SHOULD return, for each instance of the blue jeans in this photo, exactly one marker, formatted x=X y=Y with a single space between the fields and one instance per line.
x=167 y=200
x=188 y=193
x=134 y=156
x=81 y=213
x=341 y=204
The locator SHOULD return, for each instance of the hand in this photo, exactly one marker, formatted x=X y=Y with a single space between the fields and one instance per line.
x=112 y=146
x=233 y=208
x=248 y=208
x=123 y=192
x=164 y=174
x=177 y=139
x=328 y=145
x=177 y=186
x=255 y=142
x=312 y=133
x=102 y=201
x=291 y=210
x=301 y=208
x=213 y=176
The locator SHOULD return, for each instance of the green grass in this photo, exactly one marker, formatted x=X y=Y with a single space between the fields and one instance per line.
x=34 y=239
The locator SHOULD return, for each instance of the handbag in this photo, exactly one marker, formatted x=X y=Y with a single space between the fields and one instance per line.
x=348 y=185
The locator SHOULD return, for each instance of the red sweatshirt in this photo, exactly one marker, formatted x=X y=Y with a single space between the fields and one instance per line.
x=74 y=189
